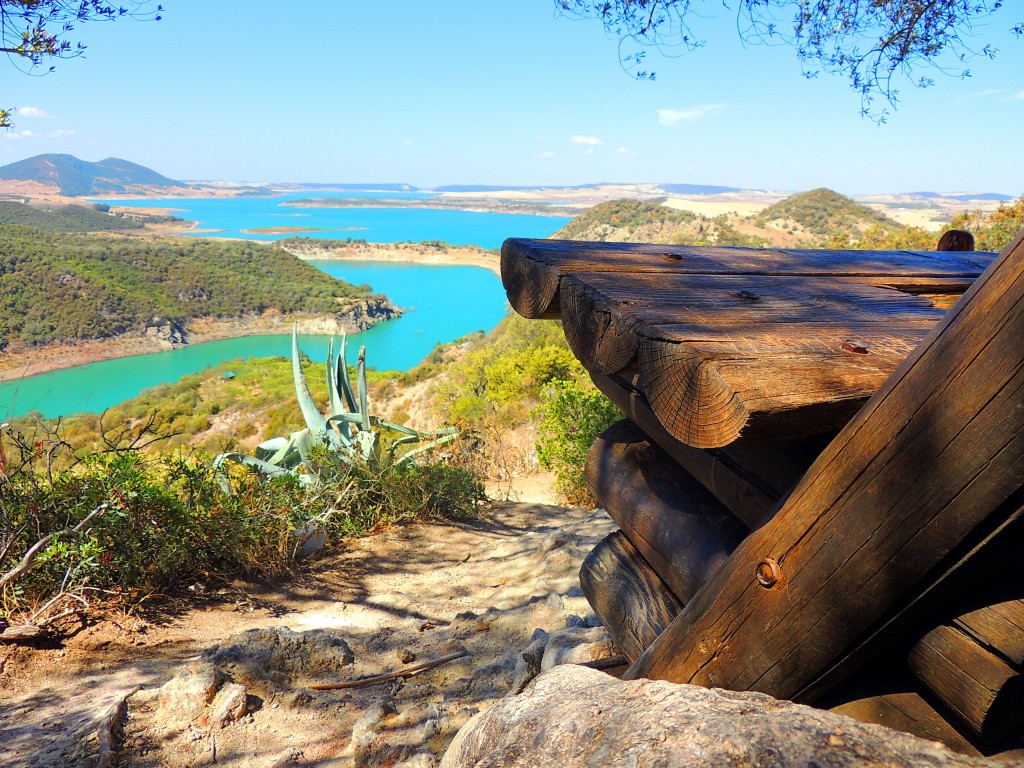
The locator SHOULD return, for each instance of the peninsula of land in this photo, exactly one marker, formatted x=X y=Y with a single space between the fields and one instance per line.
x=430 y=252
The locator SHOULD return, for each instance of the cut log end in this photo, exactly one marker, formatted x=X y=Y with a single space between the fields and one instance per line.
x=532 y=290
x=601 y=341
x=689 y=396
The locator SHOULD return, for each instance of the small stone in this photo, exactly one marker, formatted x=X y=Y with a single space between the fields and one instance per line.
x=405 y=655
x=576 y=646
x=186 y=694
x=228 y=705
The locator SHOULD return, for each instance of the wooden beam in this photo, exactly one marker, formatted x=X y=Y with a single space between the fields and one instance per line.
x=748 y=478
x=908 y=712
x=933 y=463
x=679 y=528
x=984 y=690
x=999 y=626
x=531 y=270
x=720 y=357
x=634 y=604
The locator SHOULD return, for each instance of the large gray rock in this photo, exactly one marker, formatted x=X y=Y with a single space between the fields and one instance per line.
x=573 y=717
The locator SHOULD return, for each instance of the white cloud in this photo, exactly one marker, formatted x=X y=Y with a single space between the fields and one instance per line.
x=587 y=151
x=625 y=151
x=34 y=112
x=60 y=133
x=1020 y=96
x=21 y=135
x=545 y=155
x=407 y=142
x=673 y=117
x=586 y=140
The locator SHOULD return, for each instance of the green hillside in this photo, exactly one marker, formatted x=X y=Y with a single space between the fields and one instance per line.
x=67 y=218
x=809 y=219
x=61 y=287
x=825 y=213
x=639 y=220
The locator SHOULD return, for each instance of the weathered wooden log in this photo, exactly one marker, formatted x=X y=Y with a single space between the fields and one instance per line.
x=999 y=626
x=908 y=712
x=801 y=312
x=887 y=694
x=531 y=270
x=682 y=531
x=927 y=475
x=634 y=604
x=574 y=717
x=720 y=357
x=748 y=478
x=985 y=691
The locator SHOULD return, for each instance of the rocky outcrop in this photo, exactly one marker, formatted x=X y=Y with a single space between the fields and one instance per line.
x=365 y=313
x=573 y=717
x=166 y=331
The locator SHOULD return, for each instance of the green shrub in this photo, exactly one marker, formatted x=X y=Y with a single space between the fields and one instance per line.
x=167 y=522
x=572 y=415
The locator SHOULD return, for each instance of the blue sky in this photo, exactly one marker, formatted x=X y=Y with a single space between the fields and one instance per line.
x=488 y=92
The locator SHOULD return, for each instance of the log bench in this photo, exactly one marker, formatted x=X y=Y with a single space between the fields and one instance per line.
x=821 y=472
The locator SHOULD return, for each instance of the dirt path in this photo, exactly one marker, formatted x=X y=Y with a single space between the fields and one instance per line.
x=397 y=598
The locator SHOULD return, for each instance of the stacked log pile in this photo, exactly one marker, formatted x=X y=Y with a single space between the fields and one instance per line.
x=819 y=460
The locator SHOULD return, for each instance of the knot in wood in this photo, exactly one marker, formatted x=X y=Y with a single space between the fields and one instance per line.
x=673 y=256
x=769 y=572
x=855 y=347
x=748 y=295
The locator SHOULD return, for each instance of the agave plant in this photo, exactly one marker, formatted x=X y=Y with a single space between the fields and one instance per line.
x=350 y=435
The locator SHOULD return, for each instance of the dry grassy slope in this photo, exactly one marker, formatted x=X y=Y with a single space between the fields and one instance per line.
x=804 y=220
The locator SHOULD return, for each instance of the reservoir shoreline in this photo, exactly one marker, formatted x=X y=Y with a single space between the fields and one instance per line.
x=24 y=361
x=19 y=362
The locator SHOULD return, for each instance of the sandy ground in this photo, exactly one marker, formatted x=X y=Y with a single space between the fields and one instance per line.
x=399 y=596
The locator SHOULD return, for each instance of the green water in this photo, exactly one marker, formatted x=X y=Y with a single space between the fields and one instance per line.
x=442 y=303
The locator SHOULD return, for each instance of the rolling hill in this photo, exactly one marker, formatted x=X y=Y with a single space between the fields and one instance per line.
x=808 y=219
x=75 y=177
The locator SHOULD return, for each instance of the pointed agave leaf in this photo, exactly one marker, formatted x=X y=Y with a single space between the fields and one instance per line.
x=334 y=377
x=310 y=413
x=265 y=467
x=342 y=375
x=361 y=383
x=425 y=447
x=337 y=404
x=269 y=448
x=315 y=420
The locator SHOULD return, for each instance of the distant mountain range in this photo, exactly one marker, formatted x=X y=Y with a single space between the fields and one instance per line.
x=75 y=177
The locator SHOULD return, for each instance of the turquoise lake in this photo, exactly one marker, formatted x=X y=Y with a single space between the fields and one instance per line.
x=442 y=302
x=230 y=216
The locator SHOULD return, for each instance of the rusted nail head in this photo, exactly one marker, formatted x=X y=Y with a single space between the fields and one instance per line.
x=674 y=256
x=768 y=573
x=856 y=347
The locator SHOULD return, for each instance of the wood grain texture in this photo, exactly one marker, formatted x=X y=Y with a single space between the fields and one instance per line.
x=934 y=459
x=634 y=604
x=748 y=478
x=681 y=530
x=908 y=712
x=532 y=269
x=984 y=690
x=999 y=626
x=719 y=354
